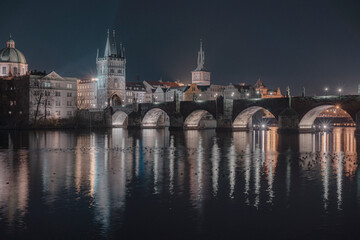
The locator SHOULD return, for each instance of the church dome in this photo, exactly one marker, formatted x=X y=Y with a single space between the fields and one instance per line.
x=10 y=54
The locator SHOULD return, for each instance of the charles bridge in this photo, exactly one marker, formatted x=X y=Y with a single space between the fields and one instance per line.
x=294 y=114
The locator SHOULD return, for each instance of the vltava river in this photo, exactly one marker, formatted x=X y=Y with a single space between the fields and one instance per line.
x=159 y=184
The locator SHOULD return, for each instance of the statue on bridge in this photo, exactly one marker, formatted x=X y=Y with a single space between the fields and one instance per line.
x=289 y=95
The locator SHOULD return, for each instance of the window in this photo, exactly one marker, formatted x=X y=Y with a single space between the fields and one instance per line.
x=4 y=70
x=58 y=113
x=116 y=83
x=47 y=93
x=119 y=71
x=69 y=103
x=69 y=113
x=69 y=94
x=57 y=85
x=47 y=113
x=15 y=71
x=57 y=94
x=48 y=103
x=47 y=84
x=111 y=70
x=57 y=103
x=36 y=84
x=69 y=85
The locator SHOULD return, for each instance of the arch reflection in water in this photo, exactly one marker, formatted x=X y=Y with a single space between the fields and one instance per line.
x=119 y=173
x=258 y=154
x=336 y=152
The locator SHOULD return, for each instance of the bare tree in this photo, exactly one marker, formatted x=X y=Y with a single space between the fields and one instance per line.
x=41 y=94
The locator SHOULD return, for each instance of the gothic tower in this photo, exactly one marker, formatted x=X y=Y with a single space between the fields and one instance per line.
x=111 y=74
x=200 y=75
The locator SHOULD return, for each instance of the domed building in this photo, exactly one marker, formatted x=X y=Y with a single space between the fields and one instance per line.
x=12 y=61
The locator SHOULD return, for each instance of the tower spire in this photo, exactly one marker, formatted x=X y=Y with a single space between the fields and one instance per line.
x=10 y=43
x=107 y=52
x=113 y=45
x=201 y=58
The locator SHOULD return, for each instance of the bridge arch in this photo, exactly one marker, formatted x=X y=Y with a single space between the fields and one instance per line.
x=155 y=118
x=119 y=119
x=243 y=120
x=308 y=119
x=200 y=119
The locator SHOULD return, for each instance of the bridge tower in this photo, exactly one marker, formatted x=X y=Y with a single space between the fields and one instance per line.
x=200 y=75
x=111 y=74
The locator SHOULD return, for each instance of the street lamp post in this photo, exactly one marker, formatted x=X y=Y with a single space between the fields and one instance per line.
x=340 y=91
x=326 y=91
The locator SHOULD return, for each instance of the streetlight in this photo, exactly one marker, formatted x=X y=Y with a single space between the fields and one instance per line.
x=340 y=91
x=326 y=91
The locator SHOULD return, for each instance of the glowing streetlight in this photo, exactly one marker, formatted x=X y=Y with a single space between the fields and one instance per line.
x=326 y=91
x=339 y=91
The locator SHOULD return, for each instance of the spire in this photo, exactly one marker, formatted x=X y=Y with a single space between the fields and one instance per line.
x=110 y=47
x=97 y=54
x=10 y=43
x=107 y=52
x=201 y=59
x=113 y=45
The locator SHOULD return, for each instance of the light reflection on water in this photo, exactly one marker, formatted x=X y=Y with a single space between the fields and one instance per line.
x=110 y=182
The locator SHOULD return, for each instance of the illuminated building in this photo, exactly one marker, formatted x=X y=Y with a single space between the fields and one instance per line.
x=261 y=89
x=87 y=94
x=12 y=61
x=111 y=74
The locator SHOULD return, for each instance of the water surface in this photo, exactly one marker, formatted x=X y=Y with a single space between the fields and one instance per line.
x=179 y=185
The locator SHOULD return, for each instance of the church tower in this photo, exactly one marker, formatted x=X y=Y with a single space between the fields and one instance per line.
x=200 y=75
x=111 y=74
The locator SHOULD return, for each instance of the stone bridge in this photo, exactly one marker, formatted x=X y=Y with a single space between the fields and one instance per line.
x=232 y=114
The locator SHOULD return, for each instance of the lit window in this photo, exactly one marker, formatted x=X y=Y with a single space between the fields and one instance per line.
x=4 y=70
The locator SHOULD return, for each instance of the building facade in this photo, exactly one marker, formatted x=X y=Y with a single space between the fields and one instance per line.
x=87 y=94
x=12 y=61
x=52 y=97
x=37 y=97
x=135 y=92
x=111 y=74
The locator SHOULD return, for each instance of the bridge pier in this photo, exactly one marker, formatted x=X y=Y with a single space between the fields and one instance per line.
x=176 y=121
x=288 y=121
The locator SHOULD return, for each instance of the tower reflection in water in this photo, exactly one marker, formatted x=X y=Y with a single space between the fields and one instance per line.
x=108 y=171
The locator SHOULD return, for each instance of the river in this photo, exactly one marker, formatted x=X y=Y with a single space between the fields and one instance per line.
x=161 y=184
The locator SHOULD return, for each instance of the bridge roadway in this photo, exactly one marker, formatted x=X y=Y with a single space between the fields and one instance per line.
x=232 y=114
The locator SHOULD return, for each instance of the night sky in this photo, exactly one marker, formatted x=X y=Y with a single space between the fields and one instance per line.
x=298 y=43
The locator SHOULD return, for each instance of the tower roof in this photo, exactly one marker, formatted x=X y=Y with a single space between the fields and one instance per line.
x=111 y=46
x=201 y=59
x=259 y=84
x=11 y=54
